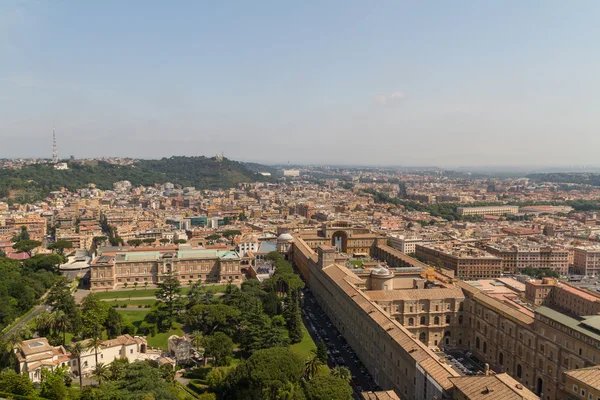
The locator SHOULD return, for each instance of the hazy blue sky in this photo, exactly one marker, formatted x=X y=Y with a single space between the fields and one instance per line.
x=372 y=82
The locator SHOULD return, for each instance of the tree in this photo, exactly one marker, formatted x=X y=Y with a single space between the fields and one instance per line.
x=115 y=323
x=262 y=375
x=94 y=314
x=61 y=323
x=164 y=241
x=328 y=386
x=135 y=285
x=26 y=246
x=60 y=246
x=311 y=367
x=101 y=372
x=213 y=237
x=146 y=285
x=197 y=339
x=117 y=367
x=94 y=344
x=342 y=372
x=149 y=240
x=18 y=384
x=134 y=242
x=180 y=241
x=2 y=253
x=43 y=323
x=168 y=293
x=321 y=351
x=23 y=235
x=219 y=346
x=53 y=384
x=208 y=317
x=77 y=349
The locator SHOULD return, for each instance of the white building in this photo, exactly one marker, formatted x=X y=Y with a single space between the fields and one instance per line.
x=247 y=245
x=405 y=244
x=124 y=346
x=36 y=354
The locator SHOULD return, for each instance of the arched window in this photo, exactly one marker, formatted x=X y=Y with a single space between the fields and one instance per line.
x=519 y=370
x=436 y=321
x=460 y=317
x=485 y=347
x=411 y=322
x=422 y=337
x=422 y=321
x=477 y=343
x=501 y=358
x=447 y=319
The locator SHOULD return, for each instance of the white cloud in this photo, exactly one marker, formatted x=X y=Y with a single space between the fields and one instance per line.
x=388 y=99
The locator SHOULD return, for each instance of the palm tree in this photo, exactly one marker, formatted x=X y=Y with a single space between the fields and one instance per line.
x=312 y=366
x=94 y=344
x=101 y=372
x=61 y=322
x=77 y=349
x=196 y=339
x=342 y=372
x=43 y=323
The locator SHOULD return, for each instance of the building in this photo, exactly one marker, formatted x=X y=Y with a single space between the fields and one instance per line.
x=523 y=254
x=36 y=354
x=488 y=210
x=467 y=262
x=586 y=260
x=403 y=243
x=345 y=236
x=583 y=383
x=291 y=172
x=132 y=348
x=128 y=268
x=488 y=387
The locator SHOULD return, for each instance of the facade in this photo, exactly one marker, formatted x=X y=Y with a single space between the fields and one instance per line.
x=117 y=269
x=583 y=384
x=343 y=235
x=124 y=346
x=489 y=210
x=403 y=243
x=586 y=260
x=519 y=257
x=36 y=354
x=467 y=262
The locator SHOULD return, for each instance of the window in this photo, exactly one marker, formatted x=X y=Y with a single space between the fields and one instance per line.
x=422 y=322
x=411 y=322
x=436 y=321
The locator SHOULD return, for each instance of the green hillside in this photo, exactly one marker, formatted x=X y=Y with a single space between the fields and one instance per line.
x=35 y=182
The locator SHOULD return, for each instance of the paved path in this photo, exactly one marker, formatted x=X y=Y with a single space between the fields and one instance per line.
x=24 y=321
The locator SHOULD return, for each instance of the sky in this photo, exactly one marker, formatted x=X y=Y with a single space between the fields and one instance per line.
x=445 y=83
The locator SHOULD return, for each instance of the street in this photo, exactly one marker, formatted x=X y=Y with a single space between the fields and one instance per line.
x=339 y=352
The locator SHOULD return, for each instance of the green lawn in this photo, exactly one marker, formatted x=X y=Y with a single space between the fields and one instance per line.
x=306 y=346
x=132 y=302
x=134 y=316
x=160 y=340
x=141 y=292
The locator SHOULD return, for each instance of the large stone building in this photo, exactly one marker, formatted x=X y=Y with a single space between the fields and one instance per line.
x=120 y=268
x=488 y=210
x=396 y=321
x=346 y=237
x=586 y=260
x=530 y=255
x=467 y=262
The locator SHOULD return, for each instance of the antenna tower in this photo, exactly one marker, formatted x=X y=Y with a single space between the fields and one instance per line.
x=54 y=151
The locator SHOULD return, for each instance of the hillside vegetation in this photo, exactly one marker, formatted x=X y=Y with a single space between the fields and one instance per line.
x=34 y=182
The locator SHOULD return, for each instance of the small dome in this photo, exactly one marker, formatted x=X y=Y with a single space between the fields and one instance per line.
x=285 y=237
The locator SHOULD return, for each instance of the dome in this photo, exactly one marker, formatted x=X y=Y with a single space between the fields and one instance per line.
x=285 y=237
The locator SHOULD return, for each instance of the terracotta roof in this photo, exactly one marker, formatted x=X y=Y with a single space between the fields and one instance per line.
x=415 y=294
x=492 y=387
x=589 y=376
x=387 y=395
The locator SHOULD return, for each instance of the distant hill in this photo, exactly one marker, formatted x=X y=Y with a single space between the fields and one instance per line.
x=581 y=178
x=35 y=182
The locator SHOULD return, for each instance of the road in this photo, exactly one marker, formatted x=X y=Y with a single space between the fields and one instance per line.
x=340 y=353
x=36 y=311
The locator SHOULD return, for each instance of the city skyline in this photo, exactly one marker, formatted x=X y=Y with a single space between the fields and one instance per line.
x=462 y=84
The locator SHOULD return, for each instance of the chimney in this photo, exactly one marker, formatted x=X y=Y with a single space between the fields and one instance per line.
x=326 y=256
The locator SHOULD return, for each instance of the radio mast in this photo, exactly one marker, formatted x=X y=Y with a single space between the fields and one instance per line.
x=54 y=151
